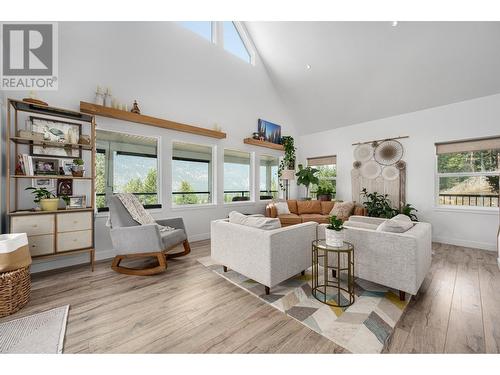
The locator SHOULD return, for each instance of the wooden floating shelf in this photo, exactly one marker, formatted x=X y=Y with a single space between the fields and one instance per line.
x=29 y=212
x=118 y=114
x=256 y=142
x=52 y=177
x=48 y=110
x=36 y=142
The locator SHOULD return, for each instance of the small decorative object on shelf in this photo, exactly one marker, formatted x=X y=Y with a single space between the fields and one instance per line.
x=107 y=97
x=33 y=99
x=84 y=139
x=77 y=168
x=135 y=108
x=46 y=199
x=255 y=135
x=99 y=96
x=43 y=166
x=334 y=233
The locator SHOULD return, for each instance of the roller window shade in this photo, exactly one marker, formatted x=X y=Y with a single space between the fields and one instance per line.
x=492 y=143
x=322 y=160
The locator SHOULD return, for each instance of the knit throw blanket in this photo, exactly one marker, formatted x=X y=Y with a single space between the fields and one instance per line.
x=137 y=210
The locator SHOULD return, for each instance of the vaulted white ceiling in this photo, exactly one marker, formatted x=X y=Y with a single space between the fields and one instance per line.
x=362 y=71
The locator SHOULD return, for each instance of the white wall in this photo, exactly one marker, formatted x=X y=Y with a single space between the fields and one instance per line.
x=474 y=118
x=174 y=74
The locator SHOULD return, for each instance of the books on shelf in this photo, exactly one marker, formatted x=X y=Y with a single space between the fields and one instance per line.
x=24 y=165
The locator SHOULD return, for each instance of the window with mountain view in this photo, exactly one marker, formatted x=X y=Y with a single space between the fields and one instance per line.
x=468 y=173
x=268 y=177
x=191 y=174
x=126 y=163
x=236 y=176
x=327 y=175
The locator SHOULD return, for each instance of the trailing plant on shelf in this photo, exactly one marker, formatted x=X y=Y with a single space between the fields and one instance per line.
x=334 y=232
x=46 y=199
x=288 y=161
x=307 y=177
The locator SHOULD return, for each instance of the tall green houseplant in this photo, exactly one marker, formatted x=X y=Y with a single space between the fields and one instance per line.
x=307 y=177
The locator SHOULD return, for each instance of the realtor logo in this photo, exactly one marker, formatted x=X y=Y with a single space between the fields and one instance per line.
x=29 y=56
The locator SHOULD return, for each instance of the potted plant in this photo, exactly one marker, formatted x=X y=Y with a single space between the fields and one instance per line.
x=307 y=176
x=288 y=161
x=45 y=199
x=334 y=233
x=77 y=168
x=324 y=193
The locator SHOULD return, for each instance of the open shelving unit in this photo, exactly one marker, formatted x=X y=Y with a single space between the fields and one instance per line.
x=259 y=143
x=118 y=114
x=50 y=233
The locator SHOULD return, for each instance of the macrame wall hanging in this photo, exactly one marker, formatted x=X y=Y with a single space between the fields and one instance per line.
x=379 y=167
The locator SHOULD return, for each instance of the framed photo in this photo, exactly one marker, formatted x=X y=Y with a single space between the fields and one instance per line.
x=77 y=201
x=48 y=183
x=56 y=131
x=64 y=187
x=66 y=166
x=43 y=166
x=269 y=132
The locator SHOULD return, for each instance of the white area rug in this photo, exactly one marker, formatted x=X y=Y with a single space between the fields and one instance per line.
x=41 y=333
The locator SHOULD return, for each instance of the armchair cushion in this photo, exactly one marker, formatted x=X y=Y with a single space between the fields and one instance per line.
x=172 y=238
x=264 y=223
x=290 y=219
x=320 y=219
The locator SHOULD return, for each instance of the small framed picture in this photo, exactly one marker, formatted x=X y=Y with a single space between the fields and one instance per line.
x=39 y=183
x=64 y=187
x=66 y=166
x=77 y=201
x=42 y=166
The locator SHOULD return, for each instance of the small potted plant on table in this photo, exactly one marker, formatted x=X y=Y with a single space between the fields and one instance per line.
x=45 y=199
x=334 y=233
x=77 y=168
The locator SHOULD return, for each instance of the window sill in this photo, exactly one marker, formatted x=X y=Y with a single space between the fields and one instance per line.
x=193 y=207
x=240 y=203
x=105 y=214
x=468 y=210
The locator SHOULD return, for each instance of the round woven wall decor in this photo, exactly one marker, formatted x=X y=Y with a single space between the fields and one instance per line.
x=363 y=152
x=389 y=152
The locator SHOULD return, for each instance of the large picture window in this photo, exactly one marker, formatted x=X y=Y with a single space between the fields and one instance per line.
x=236 y=176
x=327 y=175
x=269 y=177
x=468 y=173
x=126 y=163
x=191 y=174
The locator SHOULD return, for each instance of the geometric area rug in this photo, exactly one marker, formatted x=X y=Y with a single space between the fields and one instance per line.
x=34 y=334
x=364 y=327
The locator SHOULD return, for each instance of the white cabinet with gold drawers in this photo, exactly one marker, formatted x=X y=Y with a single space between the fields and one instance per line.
x=51 y=234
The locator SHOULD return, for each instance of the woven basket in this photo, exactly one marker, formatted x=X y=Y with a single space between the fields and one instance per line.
x=15 y=290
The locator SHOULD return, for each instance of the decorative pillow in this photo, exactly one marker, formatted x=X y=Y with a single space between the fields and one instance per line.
x=342 y=209
x=395 y=226
x=264 y=223
x=282 y=208
x=401 y=217
x=360 y=224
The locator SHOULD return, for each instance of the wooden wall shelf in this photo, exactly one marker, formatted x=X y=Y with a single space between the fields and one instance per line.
x=118 y=114
x=256 y=142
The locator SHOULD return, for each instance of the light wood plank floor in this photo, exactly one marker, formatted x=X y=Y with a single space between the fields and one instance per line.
x=189 y=309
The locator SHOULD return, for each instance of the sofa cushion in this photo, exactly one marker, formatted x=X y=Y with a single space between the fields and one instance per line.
x=171 y=238
x=318 y=218
x=401 y=217
x=290 y=219
x=342 y=209
x=292 y=206
x=395 y=226
x=326 y=207
x=282 y=208
x=259 y=222
x=309 y=207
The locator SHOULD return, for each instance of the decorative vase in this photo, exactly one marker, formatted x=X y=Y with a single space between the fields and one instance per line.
x=49 y=204
x=334 y=238
x=325 y=197
x=77 y=170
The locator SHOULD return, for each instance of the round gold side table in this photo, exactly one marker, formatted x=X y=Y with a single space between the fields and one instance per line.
x=335 y=288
